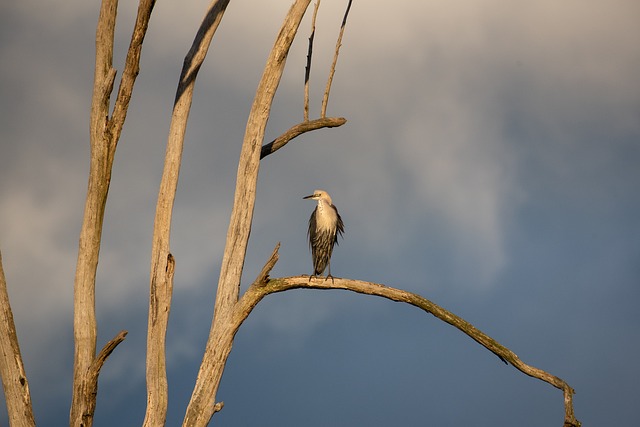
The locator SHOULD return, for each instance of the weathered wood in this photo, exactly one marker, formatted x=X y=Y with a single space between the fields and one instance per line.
x=90 y=383
x=332 y=70
x=299 y=129
x=14 y=379
x=259 y=289
x=201 y=405
x=104 y=135
x=247 y=175
x=162 y=262
x=255 y=293
x=307 y=68
x=84 y=319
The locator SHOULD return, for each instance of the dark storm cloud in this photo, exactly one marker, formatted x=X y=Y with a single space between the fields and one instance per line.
x=489 y=162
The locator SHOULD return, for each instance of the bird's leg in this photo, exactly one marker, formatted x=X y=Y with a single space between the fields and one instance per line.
x=329 y=275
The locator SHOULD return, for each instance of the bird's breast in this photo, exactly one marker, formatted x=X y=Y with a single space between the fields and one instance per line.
x=326 y=218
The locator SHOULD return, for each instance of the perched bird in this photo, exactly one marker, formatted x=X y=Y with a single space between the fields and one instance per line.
x=324 y=226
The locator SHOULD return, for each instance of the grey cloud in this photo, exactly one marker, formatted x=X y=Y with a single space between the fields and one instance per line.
x=489 y=162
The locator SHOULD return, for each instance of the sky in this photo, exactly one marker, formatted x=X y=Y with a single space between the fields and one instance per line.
x=489 y=163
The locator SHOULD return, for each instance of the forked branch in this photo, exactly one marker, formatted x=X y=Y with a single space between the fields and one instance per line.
x=332 y=71
x=104 y=135
x=323 y=121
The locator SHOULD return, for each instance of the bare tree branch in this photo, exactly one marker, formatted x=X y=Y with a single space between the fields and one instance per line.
x=193 y=61
x=263 y=277
x=162 y=262
x=299 y=129
x=247 y=176
x=257 y=291
x=159 y=308
x=131 y=69
x=14 y=379
x=220 y=340
x=104 y=136
x=90 y=388
x=307 y=68
x=325 y=100
x=84 y=321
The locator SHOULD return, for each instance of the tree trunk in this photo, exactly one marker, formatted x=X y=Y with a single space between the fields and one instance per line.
x=201 y=407
x=162 y=262
x=104 y=135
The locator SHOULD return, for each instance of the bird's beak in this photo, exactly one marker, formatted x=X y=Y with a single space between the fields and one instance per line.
x=308 y=197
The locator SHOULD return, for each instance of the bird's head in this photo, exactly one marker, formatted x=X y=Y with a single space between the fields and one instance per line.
x=318 y=195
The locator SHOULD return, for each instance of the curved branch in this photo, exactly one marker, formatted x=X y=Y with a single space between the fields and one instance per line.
x=90 y=384
x=257 y=291
x=299 y=129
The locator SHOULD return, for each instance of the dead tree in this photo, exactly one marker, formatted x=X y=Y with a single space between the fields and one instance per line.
x=231 y=308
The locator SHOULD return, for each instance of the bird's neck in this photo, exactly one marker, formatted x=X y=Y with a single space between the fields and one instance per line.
x=322 y=205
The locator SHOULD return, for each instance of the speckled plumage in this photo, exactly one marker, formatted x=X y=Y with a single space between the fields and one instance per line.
x=325 y=225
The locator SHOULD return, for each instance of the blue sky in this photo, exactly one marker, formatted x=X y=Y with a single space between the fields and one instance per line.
x=489 y=163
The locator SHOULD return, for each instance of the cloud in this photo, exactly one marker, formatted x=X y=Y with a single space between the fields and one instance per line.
x=59 y=17
x=37 y=219
x=469 y=124
x=477 y=74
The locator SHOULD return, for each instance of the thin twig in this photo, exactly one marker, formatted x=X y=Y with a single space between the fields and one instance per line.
x=325 y=100
x=307 y=69
x=299 y=129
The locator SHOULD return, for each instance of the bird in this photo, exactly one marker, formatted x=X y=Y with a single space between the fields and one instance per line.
x=325 y=225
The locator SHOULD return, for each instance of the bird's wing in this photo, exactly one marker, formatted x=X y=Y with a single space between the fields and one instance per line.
x=340 y=225
x=311 y=233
